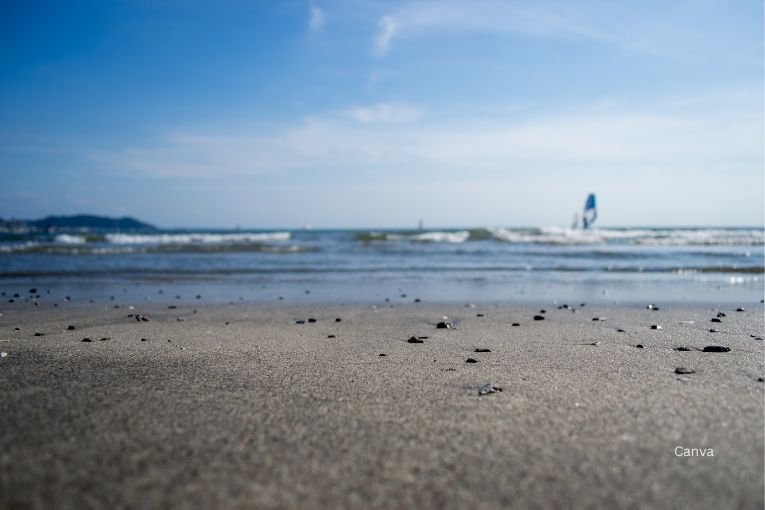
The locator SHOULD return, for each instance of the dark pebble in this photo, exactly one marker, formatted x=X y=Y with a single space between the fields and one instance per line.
x=70 y=328
x=683 y=349
x=172 y=307
x=620 y=331
x=382 y=354
x=199 y=296
x=33 y=291
x=652 y=307
x=599 y=319
x=760 y=379
x=311 y=319
x=715 y=319
x=331 y=336
x=104 y=339
x=417 y=300
x=86 y=339
x=471 y=360
x=423 y=337
x=740 y=310
x=480 y=315
x=655 y=326
x=17 y=295
x=539 y=318
x=483 y=350
x=683 y=370
x=415 y=340
x=444 y=325
x=720 y=314
x=143 y=340
x=296 y=322
x=338 y=320
x=542 y=311
x=716 y=348
x=639 y=346
x=515 y=324
x=713 y=330
x=17 y=329
x=39 y=334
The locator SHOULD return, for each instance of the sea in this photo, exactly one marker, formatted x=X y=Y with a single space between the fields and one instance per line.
x=381 y=266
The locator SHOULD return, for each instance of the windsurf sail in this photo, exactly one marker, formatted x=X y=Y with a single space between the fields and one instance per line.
x=590 y=212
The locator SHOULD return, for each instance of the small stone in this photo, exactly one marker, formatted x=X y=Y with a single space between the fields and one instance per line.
x=415 y=340
x=172 y=307
x=597 y=342
x=382 y=354
x=715 y=319
x=471 y=360
x=713 y=330
x=39 y=334
x=487 y=389
x=716 y=348
x=684 y=371
x=417 y=300
x=620 y=331
x=423 y=337
x=338 y=320
x=70 y=328
x=652 y=307
x=180 y=319
x=104 y=339
x=296 y=322
x=444 y=325
x=33 y=291
x=515 y=324
x=331 y=336
x=656 y=326
x=542 y=311
x=599 y=319
x=639 y=346
x=144 y=340
x=760 y=379
x=311 y=320
x=740 y=310
x=86 y=339
x=683 y=349
x=482 y=350
x=480 y=315
x=539 y=318
x=199 y=296
x=17 y=329
x=720 y=314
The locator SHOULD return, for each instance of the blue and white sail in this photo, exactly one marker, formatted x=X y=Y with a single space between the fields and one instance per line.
x=590 y=212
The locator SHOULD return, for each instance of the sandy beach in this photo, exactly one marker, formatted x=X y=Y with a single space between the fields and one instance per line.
x=242 y=406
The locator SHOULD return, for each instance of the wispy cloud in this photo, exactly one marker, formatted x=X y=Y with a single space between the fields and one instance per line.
x=317 y=19
x=385 y=113
x=396 y=140
x=498 y=17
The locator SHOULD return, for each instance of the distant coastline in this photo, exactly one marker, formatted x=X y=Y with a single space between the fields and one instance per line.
x=75 y=223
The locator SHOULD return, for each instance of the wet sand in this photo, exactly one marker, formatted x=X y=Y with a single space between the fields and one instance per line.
x=241 y=407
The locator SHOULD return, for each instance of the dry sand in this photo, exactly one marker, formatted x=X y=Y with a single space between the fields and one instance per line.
x=240 y=407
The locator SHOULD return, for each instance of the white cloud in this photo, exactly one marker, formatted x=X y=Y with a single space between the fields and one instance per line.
x=386 y=30
x=385 y=113
x=317 y=19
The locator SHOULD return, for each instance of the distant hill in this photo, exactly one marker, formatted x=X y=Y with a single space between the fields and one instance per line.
x=79 y=222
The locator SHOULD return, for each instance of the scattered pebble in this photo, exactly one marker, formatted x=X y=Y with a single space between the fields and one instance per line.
x=539 y=318
x=311 y=319
x=597 y=342
x=656 y=326
x=338 y=320
x=86 y=339
x=444 y=325
x=599 y=319
x=720 y=314
x=713 y=330
x=144 y=340
x=684 y=371
x=683 y=349
x=760 y=379
x=715 y=319
x=415 y=340
x=483 y=350
x=39 y=334
x=740 y=310
x=639 y=346
x=70 y=328
x=172 y=307
x=515 y=324
x=620 y=331
x=652 y=307
x=417 y=300
x=716 y=348
x=471 y=360
x=104 y=339
x=296 y=322
x=331 y=336
x=487 y=389
x=480 y=315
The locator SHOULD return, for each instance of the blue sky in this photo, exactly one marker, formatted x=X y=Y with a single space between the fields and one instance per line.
x=358 y=113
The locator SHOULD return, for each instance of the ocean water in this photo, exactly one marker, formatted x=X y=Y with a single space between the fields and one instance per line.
x=611 y=265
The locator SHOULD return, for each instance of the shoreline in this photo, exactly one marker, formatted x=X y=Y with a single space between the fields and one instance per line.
x=240 y=406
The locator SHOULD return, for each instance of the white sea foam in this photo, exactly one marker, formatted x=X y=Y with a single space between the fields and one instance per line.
x=200 y=238
x=69 y=239
x=432 y=237
x=648 y=237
